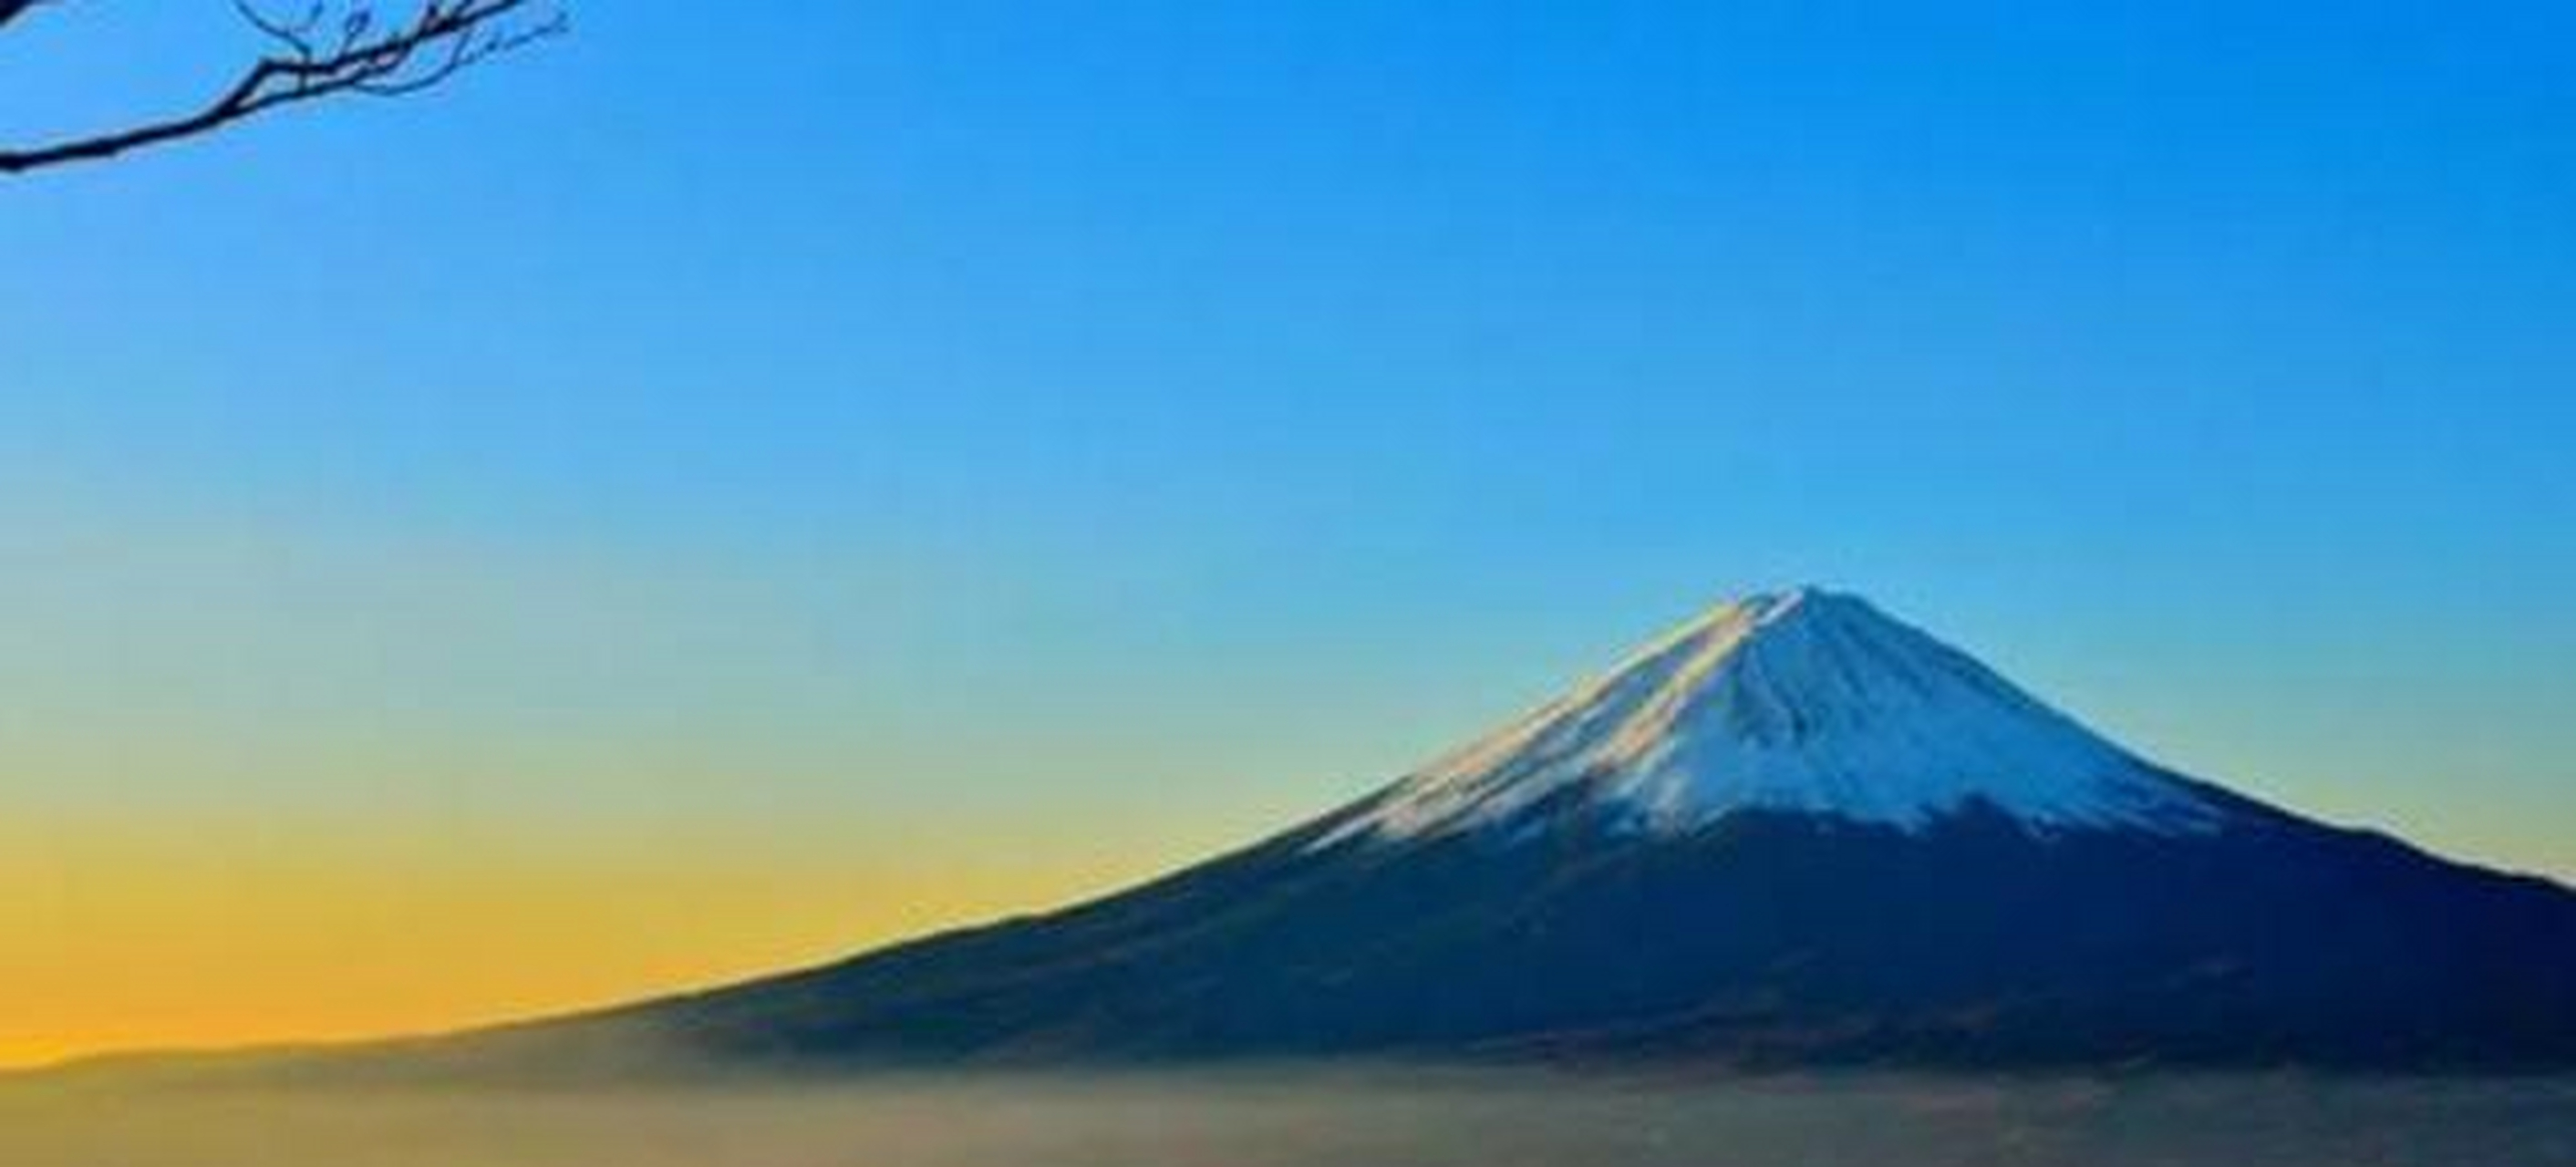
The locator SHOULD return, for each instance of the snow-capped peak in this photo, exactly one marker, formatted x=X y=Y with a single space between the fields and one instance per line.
x=1804 y=701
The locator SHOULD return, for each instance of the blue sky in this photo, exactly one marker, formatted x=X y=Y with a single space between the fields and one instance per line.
x=1146 y=422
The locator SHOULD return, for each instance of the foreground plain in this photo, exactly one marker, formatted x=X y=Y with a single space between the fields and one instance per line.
x=1257 y=1119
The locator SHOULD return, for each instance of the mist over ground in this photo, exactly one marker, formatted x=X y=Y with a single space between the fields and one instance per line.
x=1258 y=1119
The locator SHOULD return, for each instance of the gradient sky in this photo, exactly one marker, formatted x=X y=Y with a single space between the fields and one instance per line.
x=713 y=493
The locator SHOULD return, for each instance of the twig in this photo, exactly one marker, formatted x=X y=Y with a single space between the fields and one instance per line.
x=445 y=38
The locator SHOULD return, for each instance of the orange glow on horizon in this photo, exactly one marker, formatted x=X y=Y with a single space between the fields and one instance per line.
x=171 y=942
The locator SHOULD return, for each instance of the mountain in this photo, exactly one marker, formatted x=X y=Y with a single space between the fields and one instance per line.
x=1794 y=831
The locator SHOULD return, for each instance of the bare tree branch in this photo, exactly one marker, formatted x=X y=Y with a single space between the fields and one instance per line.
x=13 y=9
x=331 y=48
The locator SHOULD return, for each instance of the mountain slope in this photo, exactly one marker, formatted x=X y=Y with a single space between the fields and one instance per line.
x=1794 y=831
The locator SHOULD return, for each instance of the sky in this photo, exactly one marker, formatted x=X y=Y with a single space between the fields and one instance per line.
x=713 y=493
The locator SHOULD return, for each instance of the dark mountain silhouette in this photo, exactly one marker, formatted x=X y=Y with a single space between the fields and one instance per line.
x=1793 y=832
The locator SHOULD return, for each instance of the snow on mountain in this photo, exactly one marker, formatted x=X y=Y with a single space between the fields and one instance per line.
x=1803 y=701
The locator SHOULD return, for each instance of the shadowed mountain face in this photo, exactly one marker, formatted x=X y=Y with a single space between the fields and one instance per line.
x=1793 y=832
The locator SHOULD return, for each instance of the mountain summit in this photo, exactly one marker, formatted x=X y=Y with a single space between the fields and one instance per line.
x=1795 y=831
x=1804 y=701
